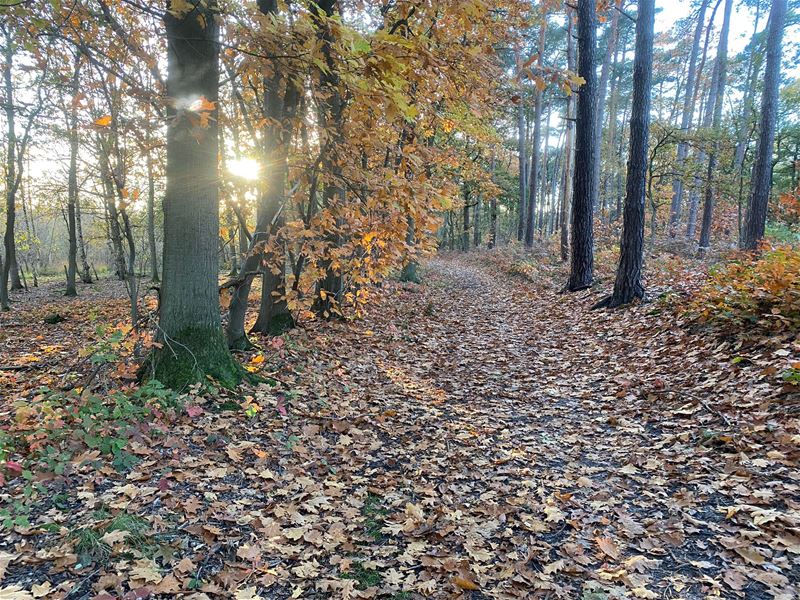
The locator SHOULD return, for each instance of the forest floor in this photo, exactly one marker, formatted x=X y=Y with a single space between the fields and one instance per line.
x=478 y=436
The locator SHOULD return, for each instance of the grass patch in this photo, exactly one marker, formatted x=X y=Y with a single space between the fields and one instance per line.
x=375 y=516
x=365 y=578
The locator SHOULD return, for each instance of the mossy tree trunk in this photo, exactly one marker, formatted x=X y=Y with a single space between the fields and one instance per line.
x=190 y=332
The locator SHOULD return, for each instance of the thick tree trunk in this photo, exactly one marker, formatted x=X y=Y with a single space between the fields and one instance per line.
x=722 y=74
x=753 y=71
x=189 y=324
x=762 y=170
x=330 y=288
x=582 y=257
x=628 y=284
x=72 y=185
x=686 y=121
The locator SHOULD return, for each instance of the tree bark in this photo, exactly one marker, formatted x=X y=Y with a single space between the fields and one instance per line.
x=762 y=170
x=719 y=92
x=628 y=284
x=686 y=121
x=605 y=72
x=72 y=185
x=523 y=160
x=10 y=270
x=151 y=212
x=533 y=187
x=582 y=257
x=189 y=325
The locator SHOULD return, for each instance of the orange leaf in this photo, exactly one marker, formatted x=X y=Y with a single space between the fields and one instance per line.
x=103 y=121
x=465 y=584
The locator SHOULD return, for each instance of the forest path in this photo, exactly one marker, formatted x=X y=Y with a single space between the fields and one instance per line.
x=477 y=436
x=554 y=448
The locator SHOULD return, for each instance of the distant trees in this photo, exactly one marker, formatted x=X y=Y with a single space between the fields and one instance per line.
x=762 y=170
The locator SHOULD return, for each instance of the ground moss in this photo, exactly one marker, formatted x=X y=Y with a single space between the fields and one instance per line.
x=192 y=356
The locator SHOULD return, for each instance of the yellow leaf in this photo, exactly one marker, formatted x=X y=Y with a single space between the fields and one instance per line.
x=465 y=584
x=103 y=121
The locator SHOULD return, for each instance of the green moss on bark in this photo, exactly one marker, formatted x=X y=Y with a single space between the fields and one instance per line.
x=193 y=355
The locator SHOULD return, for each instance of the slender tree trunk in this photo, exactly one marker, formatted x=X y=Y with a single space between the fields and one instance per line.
x=753 y=71
x=722 y=73
x=762 y=170
x=523 y=161
x=605 y=72
x=533 y=180
x=465 y=231
x=628 y=284
x=543 y=171
x=86 y=273
x=582 y=258
x=492 y=213
x=12 y=180
x=566 y=196
x=72 y=186
x=151 y=212
x=686 y=121
x=476 y=222
x=189 y=325
x=706 y=111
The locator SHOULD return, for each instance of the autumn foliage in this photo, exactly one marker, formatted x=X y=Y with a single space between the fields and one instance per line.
x=760 y=291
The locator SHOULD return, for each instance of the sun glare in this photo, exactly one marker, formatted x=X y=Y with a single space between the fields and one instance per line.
x=246 y=168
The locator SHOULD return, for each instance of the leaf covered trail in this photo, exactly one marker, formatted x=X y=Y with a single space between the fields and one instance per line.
x=477 y=436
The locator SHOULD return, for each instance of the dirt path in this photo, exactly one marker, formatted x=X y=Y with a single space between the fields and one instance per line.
x=478 y=436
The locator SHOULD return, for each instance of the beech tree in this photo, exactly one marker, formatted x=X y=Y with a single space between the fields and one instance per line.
x=628 y=284
x=190 y=333
x=762 y=170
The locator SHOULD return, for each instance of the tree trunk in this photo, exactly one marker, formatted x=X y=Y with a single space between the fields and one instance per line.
x=722 y=73
x=72 y=186
x=582 y=258
x=628 y=283
x=753 y=71
x=86 y=273
x=10 y=270
x=686 y=121
x=189 y=325
x=534 y=175
x=762 y=170
x=523 y=160
x=566 y=196
x=330 y=288
x=613 y=35
x=151 y=213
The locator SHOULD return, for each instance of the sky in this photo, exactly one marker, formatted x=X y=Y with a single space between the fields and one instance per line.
x=668 y=12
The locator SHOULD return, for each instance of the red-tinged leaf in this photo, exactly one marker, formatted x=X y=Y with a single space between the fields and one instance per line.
x=194 y=411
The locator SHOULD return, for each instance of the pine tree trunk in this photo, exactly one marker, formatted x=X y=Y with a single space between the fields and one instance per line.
x=582 y=257
x=716 y=121
x=566 y=196
x=628 y=284
x=189 y=324
x=762 y=170
x=534 y=175
x=605 y=73
x=523 y=162
x=686 y=121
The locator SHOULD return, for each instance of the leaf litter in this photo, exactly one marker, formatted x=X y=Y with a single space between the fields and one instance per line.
x=479 y=436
